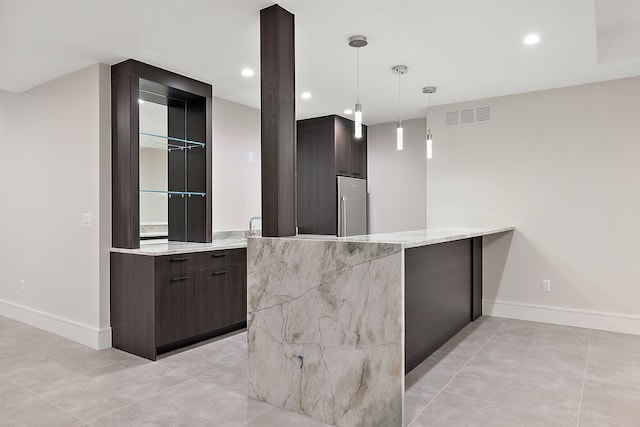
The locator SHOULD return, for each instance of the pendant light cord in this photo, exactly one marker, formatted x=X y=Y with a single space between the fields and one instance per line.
x=358 y=77
x=399 y=97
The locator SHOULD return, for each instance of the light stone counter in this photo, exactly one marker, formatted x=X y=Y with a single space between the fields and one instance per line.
x=325 y=322
x=172 y=248
x=415 y=238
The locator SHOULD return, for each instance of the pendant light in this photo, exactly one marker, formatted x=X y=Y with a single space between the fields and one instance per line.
x=358 y=42
x=429 y=90
x=399 y=70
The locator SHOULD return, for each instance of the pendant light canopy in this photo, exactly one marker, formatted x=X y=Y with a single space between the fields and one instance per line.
x=429 y=90
x=358 y=42
x=399 y=70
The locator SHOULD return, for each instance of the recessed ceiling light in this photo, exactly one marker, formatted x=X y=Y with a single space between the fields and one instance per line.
x=531 y=39
x=305 y=95
x=348 y=111
x=140 y=101
x=247 y=72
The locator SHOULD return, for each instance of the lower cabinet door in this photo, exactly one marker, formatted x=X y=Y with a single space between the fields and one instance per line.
x=216 y=299
x=175 y=301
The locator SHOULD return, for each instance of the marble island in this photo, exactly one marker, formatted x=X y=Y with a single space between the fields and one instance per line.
x=335 y=323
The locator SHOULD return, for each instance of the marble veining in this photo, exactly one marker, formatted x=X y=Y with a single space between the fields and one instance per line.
x=325 y=329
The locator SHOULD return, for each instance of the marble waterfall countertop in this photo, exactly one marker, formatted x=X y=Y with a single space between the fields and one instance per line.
x=408 y=239
x=415 y=238
x=171 y=248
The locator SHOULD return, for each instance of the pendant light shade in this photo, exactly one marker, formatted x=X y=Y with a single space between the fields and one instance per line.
x=358 y=42
x=429 y=90
x=399 y=70
x=358 y=114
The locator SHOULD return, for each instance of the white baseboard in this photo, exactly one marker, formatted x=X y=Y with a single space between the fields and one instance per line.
x=91 y=337
x=612 y=322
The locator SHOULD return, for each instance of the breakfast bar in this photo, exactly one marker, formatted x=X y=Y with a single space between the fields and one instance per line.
x=334 y=323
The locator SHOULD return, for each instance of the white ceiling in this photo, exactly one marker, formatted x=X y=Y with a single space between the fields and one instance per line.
x=469 y=49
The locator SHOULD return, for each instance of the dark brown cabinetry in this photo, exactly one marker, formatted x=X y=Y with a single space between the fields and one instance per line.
x=159 y=303
x=189 y=133
x=326 y=148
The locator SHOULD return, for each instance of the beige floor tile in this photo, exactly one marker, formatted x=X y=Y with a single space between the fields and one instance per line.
x=277 y=417
x=192 y=403
x=458 y=411
x=621 y=369
x=611 y=342
x=232 y=377
x=20 y=407
x=611 y=401
x=590 y=420
x=414 y=404
x=96 y=392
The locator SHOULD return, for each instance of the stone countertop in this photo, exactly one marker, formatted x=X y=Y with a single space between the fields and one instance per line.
x=415 y=238
x=171 y=248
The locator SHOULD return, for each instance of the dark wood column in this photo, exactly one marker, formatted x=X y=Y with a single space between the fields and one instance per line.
x=278 y=150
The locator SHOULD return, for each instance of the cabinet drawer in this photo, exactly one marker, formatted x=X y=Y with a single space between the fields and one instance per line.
x=218 y=259
x=168 y=265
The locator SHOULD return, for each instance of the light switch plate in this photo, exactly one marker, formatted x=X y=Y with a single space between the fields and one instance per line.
x=87 y=219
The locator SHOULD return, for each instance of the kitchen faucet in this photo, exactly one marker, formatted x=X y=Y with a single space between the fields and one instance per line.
x=252 y=231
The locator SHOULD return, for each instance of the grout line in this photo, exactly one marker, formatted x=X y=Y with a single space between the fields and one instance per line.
x=584 y=379
x=456 y=374
x=44 y=399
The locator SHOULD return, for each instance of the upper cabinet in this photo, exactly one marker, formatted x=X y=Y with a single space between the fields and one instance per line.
x=351 y=153
x=161 y=155
x=342 y=153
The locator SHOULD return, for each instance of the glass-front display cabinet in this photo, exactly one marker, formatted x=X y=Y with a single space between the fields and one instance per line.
x=161 y=155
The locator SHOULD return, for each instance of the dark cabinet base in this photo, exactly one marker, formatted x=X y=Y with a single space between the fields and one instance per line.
x=160 y=303
x=443 y=293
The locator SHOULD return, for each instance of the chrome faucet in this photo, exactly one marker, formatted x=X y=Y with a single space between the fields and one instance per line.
x=252 y=231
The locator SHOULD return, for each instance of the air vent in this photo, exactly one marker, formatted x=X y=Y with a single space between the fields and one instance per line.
x=452 y=118
x=466 y=116
x=483 y=113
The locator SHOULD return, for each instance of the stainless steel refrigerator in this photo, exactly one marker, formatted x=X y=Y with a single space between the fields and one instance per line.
x=352 y=206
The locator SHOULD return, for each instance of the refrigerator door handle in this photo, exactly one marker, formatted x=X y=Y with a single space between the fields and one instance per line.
x=343 y=216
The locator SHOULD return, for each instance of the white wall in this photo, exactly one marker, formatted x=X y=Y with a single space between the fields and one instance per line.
x=55 y=166
x=236 y=179
x=562 y=167
x=396 y=179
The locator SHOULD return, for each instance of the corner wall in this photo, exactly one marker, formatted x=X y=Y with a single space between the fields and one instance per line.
x=55 y=165
x=236 y=178
x=562 y=167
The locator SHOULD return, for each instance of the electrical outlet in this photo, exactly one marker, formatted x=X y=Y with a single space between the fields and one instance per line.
x=22 y=284
x=546 y=285
x=87 y=219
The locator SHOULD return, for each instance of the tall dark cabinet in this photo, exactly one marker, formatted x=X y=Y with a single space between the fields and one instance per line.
x=189 y=136
x=326 y=148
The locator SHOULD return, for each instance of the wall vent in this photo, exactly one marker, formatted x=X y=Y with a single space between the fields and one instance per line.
x=466 y=116
x=452 y=118
x=483 y=113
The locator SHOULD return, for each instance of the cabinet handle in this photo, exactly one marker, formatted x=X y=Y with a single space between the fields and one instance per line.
x=343 y=172
x=179 y=259
x=180 y=279
x=216 y=273
x=218 y=255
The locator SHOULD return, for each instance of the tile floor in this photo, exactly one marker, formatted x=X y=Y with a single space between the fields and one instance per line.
x=495 y=372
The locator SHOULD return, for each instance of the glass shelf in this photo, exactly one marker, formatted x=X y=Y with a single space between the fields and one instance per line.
x=174 y=193
x=189 y=144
